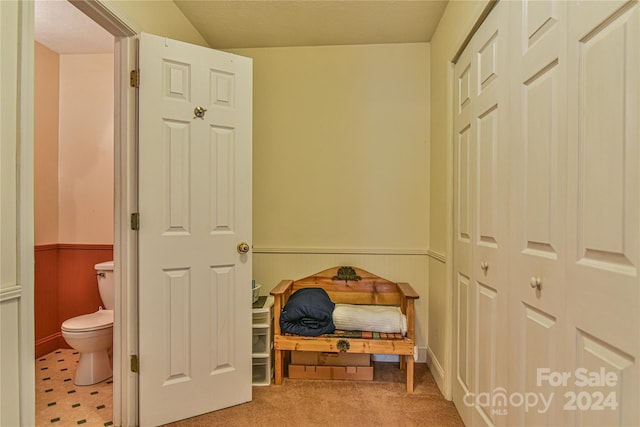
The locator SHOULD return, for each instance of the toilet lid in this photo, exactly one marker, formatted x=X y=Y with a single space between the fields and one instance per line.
x=101 y=319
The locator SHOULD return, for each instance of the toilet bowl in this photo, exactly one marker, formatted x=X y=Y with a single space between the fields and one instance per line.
x=92 y=334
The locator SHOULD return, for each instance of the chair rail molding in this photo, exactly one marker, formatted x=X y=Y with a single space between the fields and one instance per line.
x=341 y=251
x=437 y=256
x=10 y=293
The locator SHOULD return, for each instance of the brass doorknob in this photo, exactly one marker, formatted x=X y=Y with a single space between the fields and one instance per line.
x=243 y=247
x=199 y=112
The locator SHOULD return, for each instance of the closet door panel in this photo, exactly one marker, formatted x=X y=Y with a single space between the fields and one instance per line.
x=463 y=229
x=538 y=18
x=538 y=152
x=487 y=356
x=489 y=149
x=489 y=123
x=489 y=153
x=619 y=404
x=537 y=204
x=603 y=226
x=541 y=230
x=540 y=332
x=486 y=179
x=607 y=140
x=463 y=333
x=463 y=177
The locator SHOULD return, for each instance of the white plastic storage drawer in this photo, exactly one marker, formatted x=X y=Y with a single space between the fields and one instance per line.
x=261 y=339
x=263 y=311
x=261 y=374
x=262 y=317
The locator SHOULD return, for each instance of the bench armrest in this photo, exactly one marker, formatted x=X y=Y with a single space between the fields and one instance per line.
x=407 y=306
x=407 y=291
x=281 y=294
x=282 y=287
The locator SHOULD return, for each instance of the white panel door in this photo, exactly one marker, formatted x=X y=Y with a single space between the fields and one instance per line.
x=481 y=222
x=489 y=151
x=603 y=226
x=195 y=207
x=463 y=360
x=537 y=205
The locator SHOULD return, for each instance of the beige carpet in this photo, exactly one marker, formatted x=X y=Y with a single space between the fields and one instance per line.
x=382 y=402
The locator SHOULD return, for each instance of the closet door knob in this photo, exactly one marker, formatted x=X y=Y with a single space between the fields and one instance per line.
x=536 y=283
x=484 y=265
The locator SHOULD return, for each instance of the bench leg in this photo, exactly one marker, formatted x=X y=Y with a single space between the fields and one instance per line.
x=403 y=362
x=279 y=356
x=410 y=367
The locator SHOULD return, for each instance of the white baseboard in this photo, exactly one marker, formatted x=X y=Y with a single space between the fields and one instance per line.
x=438 y=373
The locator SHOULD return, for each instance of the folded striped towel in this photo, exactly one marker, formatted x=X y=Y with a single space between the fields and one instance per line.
x=376 y=318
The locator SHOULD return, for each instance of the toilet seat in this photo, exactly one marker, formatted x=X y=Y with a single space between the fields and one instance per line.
x=101 y=319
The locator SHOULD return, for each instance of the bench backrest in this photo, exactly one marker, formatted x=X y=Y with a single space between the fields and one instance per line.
x=354 y=286
x=350 y=285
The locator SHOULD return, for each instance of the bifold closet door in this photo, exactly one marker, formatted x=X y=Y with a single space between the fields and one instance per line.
x=481 y=218
x=547 y=213
x=538 y=147
x=603 y=221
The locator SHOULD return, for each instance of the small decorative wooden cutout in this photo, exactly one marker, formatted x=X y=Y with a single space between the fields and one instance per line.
x=343 y=346
x=346 y=273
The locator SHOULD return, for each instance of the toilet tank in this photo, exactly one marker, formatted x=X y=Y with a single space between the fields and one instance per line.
x=104 y=271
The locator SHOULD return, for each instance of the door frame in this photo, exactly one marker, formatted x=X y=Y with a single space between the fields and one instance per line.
x=125 y=242
x=125 y=328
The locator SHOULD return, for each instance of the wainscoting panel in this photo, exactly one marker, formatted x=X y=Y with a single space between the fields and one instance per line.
x=10 y=304
x=65 y=286
x=47 y=326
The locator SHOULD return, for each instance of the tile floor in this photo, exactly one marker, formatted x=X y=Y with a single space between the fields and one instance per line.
x=59 y=402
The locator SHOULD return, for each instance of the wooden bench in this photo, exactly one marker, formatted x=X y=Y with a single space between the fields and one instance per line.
x=348 y=285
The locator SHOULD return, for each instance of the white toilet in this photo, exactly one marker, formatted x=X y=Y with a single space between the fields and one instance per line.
x=92 y=334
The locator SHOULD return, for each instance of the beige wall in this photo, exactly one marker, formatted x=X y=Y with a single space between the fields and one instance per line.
x=341 y=147
x=73 y=144
x=455 y=25
x=86 y=149
x=46 y=98
x=341 y=160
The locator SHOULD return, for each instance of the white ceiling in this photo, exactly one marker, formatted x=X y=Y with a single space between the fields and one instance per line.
x=64 y=29
x=264 y=23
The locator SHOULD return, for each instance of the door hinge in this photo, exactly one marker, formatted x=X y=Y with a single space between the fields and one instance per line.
x=135 y=221
x=134 y=78
x=135 y=366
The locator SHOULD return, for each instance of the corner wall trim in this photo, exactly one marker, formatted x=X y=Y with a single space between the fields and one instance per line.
x=438 y=256
x=10 y=293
